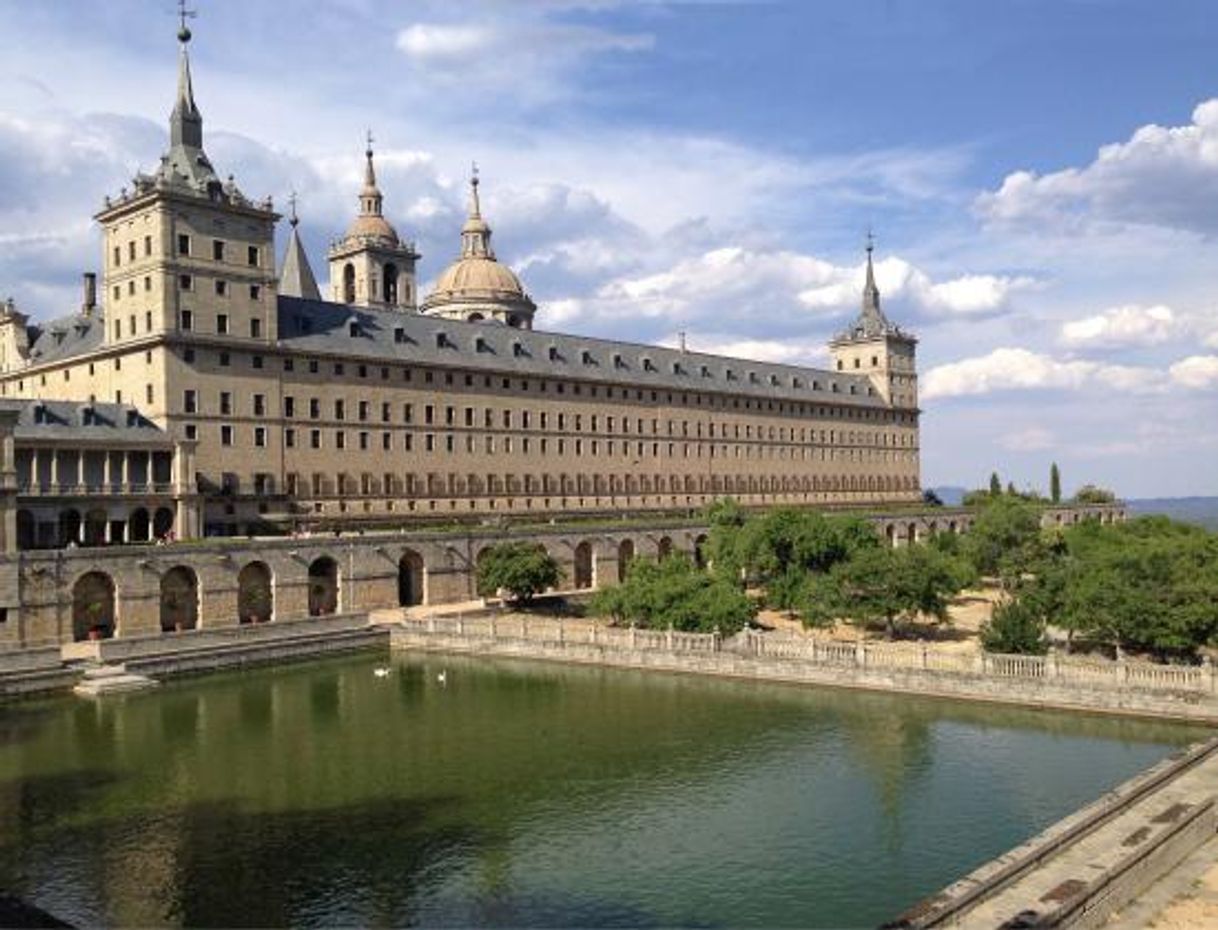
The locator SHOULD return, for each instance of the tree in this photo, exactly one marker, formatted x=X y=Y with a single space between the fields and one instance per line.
x=1005 y=540
x=522 y=569
x=884 y=586
x=931 y=498
x=1011 y=489
x=995 y=485
x=675 y=593
x=1055 y=484
x=1015 y=627
x=1090 y=494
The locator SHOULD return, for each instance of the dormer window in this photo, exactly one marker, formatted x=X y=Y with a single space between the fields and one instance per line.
x=480 y=345
x=618 y=361
x=441 y=340
x=796 y=383
x=399 y=335
x=353 y=329
x=553 y=355
x=586 y=357
x=647 y=364
x=518 y=350
x=752 y=377
x=729 y=374
x=705 y=371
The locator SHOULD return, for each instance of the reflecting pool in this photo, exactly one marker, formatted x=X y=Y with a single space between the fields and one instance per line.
x=526 y=794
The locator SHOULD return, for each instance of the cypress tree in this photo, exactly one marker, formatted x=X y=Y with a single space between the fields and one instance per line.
x=1055 y=484
x=995 y=485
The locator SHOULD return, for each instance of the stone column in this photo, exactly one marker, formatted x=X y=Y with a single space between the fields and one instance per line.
x=54 y=471
x=35 y=477
x=125 y=471
x=107 y=471
x=80 y=469
x=8 y=482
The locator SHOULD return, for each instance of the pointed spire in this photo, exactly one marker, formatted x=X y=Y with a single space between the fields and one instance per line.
x=871 y=293
x=371 y=201
x=186 y=123
x=475 y=234
x=295 y=274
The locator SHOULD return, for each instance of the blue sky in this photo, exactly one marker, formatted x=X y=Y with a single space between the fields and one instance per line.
x=1042 y=177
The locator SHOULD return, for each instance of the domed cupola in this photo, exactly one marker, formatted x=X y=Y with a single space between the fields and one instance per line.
x=476 y=286
x=370 y=266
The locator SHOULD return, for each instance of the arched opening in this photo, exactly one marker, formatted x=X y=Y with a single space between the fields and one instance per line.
x=912 y=533
x=323 y=587
x=179 y=600
x=69 y=526
x=138 y=525
x=700 y=551
x=390 y=282
x=514 y=321
x=890 y=532
x=25 y=529
x=162 y=522
x=93 y=615
x=255 y=595
x=625 y=553
x=348 y=283
x=410 y=579
x=95 y=528
x=475 y=318
x=664 y=549
x=583 y=565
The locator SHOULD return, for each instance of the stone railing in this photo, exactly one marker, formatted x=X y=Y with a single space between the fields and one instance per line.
x=1052 y=670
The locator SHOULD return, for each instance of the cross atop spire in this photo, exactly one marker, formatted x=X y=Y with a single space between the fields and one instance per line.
x=370 y=198
x=475 y=234
x=184 y=14
x=293 y=219
x=475 y=207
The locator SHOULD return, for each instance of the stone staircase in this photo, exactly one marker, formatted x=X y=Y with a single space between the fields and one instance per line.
x=100 y=680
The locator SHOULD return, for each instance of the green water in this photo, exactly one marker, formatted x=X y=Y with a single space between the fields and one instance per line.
x=525 y=794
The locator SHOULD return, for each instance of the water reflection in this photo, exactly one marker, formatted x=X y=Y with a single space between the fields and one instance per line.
x=521 y=793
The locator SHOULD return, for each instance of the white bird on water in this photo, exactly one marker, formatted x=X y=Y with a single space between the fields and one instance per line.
x=442 y=678
x=381 y=671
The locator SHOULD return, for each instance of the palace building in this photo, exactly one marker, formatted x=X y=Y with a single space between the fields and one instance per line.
x=199 y=389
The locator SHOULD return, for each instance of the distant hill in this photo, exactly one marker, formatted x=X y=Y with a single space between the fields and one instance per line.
x=951 y=495
x=1199 y=510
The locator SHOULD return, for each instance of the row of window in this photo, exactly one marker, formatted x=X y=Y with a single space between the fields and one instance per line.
x=220 y=250
x=545 y=386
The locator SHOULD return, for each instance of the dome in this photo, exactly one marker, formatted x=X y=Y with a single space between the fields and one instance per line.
x=371 y=227
x=479 y=278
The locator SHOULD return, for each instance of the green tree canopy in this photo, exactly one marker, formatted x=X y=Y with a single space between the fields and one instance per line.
x=995 y=484
x=1005 y=540
x=522 y=569
x=675 y=593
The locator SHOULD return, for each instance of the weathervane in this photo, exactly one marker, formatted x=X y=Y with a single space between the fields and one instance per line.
x=293 y=219
x=870 y=241
x=370 y=141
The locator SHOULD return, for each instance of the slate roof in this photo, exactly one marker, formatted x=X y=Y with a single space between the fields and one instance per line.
x=80 y=421
x=65 y=337
x=307 y=326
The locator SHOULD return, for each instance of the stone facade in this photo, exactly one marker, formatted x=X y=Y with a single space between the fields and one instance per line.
x=364 y=412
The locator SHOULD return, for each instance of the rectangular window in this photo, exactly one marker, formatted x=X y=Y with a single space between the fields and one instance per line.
x=226 y=435
x=224 y=359
x=340 y=439
x=226 y=403
x=315 y=438
x=289 y=406
x=192 y=431
x=221 y=288
x=252 y=256
x=363 y=410
x=289 y=438
x=118 y=256
x=386 y=441
x=314 y=408
x=259 y=405
x=148 y=395
x=255 y=292
x=255 y=328
x=222 y=324
x=260 y=436
x=363 y=440
x=183 y=244
x=148 y=321
x=118 y=329
x=256 y=361
x=340 y=409
x=217 y=249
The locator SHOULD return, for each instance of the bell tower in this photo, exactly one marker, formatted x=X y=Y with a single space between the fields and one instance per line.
x=371 y=266
x=878 y=348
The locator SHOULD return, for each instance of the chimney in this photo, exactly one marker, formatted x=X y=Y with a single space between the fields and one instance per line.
x=90 y=295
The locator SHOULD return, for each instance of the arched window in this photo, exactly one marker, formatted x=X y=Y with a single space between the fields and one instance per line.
x=390 y=289
x=93 y=604
x=255 y=594
x=179 y=600
x=323 y=587
x=349 y=283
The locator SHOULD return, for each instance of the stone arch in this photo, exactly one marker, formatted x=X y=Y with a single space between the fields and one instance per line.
x=324 y=583
x=95 y=527
x=69 y=526
x=179 y=600
x=93 y=607
x=583 y=568
x=475 y=317
x=625 y=554
x=410 y=579
x=912 y=533
x=25 y=529
x=700 y=550
x=664 y=548
x=138 y=525
x=162 y=522
x=348 y=283
x=255 y=594
x=890 y=533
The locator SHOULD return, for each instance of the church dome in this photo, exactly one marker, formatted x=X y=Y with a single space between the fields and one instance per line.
x=372 y=227
x=476 y=286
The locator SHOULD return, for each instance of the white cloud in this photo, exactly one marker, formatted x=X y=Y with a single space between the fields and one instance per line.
x=430 y=41
x=782 y=352
x=1160 y=176
x=1130 y=325
x=1030 y=439
x=1007 y=369
x=1196 y=371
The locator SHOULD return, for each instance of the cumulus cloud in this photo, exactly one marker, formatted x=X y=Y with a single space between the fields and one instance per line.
x=782 y=352
x=1130 y=325
x=1161 y=176
x=1030 y=439
x=1016 y=369
x=1196 y=371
